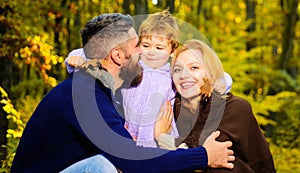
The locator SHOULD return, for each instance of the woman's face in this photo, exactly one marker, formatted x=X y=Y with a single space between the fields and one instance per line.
x=188 y=73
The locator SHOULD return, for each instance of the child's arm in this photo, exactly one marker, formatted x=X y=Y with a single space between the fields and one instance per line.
x=171 y=97
x=75 y=58
x=167 y=142
x=163 y=127
x=228 y=84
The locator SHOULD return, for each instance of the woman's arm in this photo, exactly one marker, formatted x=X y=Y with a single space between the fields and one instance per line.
x=250 y=148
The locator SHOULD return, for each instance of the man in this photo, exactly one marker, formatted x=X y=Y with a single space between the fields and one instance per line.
x=77 y=121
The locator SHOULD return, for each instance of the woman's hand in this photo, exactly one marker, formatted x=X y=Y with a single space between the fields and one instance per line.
x=164 y=120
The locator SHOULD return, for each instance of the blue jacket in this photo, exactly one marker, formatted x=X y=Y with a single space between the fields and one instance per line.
x=78 y=119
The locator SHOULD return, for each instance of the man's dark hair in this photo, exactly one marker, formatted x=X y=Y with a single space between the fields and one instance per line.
x=104 y=32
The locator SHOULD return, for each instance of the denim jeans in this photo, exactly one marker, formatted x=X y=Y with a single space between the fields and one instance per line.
x=94 y=164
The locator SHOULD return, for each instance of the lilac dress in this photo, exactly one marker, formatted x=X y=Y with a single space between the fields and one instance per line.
x=142 y=104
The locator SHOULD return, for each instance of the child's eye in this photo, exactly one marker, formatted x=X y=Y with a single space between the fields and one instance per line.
x=159 y=48
x=145 y=45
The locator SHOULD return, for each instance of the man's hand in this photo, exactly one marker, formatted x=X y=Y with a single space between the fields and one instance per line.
x=163 y=123
x=219 y=156
x=75 y=61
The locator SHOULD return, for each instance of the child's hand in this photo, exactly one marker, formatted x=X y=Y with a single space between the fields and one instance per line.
x=164 y=120
x=75 y=61
x=126 y=127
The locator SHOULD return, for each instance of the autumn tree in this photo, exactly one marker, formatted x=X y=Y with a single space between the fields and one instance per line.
x=291 y=17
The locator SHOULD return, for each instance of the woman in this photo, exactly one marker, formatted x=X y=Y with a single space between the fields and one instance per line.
x=202 y=109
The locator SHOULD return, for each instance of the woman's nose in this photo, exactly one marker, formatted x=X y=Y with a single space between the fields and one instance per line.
x=185 y=72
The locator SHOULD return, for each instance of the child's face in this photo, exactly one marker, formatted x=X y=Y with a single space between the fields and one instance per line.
x=156 y=51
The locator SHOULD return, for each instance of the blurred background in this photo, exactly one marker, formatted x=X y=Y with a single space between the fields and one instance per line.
x=258 y=42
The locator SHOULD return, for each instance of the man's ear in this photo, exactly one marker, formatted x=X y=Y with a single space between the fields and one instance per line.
x=118 y=56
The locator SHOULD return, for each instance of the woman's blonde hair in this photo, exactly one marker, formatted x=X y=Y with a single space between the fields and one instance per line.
x=161 y=24
x=210 y=60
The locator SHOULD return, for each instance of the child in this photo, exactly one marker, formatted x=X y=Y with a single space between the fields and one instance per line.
x=159 y=37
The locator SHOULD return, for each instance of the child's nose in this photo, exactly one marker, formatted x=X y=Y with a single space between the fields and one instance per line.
x=151 y=51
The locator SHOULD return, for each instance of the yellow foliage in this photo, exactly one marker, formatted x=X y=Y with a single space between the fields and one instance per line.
x=13 y=115
x=242 y=5
x=215 y=9
x=52 y=81
x=238 y=20
x=61 y=59
x=285 y=159
x=41 y=56
x=3 y=93
x=230 y=15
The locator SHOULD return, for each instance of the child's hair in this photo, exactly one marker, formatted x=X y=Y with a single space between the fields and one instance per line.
x=161 y=24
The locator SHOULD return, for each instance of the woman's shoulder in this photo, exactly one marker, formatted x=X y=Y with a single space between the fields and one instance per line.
x=238 y=108
x=237 y=100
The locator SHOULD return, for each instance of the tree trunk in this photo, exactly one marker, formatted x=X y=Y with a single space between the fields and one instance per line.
x=5 y=78
x=171 y=5
x=57 y=30
x=161 y=4
x=69 y=29
x=59 y=16
x=250 y=9
x=288 y=32
x=76 y=29
x=126 y=6
x=73 y=34
x=199 y=8
x=140 y=7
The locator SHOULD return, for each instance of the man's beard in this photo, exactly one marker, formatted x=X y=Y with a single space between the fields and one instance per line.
x=131 y=72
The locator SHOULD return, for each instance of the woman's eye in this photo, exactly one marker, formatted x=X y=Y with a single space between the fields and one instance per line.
x=176 y=70
x=195 y=68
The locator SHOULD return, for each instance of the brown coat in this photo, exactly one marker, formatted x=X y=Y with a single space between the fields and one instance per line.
x=236 y=124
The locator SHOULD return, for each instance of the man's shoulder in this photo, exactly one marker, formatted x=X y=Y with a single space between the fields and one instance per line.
x=60 y=93
x=76 y=83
